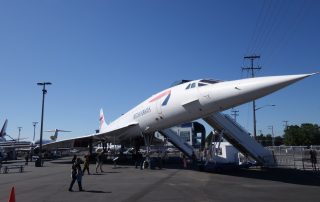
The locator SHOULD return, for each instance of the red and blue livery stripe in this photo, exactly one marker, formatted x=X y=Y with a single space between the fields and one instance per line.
x=161 y=95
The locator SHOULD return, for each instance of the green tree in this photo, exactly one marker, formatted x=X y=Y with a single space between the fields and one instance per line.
x=306 y=134
x=269 y=140
x=262 y=139
x=278 y=141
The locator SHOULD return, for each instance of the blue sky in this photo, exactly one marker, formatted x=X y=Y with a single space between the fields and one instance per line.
x=115 y=54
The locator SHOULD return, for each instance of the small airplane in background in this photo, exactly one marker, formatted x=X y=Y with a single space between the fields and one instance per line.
x=56 y=131
x=184 y=102
x=3 y=154
x=9 y=146
x=53 y=137
x=3 y=132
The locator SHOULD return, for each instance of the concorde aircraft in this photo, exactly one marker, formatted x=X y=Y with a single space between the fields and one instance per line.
x=184 y=102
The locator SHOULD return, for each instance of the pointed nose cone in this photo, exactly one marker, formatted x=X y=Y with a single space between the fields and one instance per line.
x=254 y=88
x=232 y=93
x=258 y=87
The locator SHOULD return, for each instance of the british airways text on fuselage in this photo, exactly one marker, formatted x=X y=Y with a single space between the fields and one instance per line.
x=142 y=113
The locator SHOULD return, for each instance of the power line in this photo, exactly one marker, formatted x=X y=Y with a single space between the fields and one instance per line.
x=256 y=26
x=270 y=29
x=260 y=27
x=265 y=27
x=291 y=27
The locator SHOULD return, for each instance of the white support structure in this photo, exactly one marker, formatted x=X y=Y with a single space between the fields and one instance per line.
x=240 y=138
x=214 y=147
x=178 y=142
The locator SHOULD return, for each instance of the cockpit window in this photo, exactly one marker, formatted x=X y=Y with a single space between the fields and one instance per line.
x=193 y=85
x=188 y=86
x=209 y=81
x=202 y=84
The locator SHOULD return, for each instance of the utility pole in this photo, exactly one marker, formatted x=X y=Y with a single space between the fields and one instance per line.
x=271 y=127
x=253 y=69
x=285 y=124
x=234 y=113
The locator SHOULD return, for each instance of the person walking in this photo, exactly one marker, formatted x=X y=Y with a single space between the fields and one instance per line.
x=76 y=175
x=313 y=158
x=74 y=159
x=27 y=159
x=136 y=159
x=86 y=164
x=184 y=160
x=99 y=160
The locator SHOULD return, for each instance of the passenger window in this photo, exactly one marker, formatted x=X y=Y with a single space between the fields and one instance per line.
x=188 y=86
x=193 y=85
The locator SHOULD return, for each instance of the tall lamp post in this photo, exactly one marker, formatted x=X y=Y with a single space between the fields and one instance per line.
x=255 y=119
x=19 y=128
x=44 y=91
x=34 y=129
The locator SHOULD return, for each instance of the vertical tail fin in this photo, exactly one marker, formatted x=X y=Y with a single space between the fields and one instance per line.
x=103 y=124
x=4 y=128
x=55 y=136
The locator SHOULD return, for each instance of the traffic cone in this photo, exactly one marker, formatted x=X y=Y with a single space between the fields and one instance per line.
x=12 y=197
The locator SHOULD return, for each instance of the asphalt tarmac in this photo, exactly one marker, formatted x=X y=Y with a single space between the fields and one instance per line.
x=125 y=183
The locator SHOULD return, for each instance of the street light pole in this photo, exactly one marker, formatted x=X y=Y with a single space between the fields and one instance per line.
x=19 y=133
x=44 y=91
x=34 y=129
x=254 y=118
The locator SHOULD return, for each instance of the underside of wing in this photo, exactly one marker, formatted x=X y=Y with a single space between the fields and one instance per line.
x=85 y=141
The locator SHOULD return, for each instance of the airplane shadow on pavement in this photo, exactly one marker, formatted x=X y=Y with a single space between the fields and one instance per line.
x=276 y=174
x=98 y=192
x=105 y=172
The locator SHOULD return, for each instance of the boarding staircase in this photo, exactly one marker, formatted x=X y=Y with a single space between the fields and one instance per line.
x=240 y=138
x=178 y=142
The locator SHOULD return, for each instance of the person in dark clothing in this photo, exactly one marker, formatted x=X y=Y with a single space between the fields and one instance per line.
x=100 y=159
x=86 y=164
x=76 y=174
x=136 y=158
x=313 y=158
x=27 y=159
x=139 y=160
x=74 y=159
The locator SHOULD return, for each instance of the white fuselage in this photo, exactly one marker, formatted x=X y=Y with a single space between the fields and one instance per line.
x=196 y=99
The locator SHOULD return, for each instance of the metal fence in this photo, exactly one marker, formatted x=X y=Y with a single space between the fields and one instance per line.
x=296 y=157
